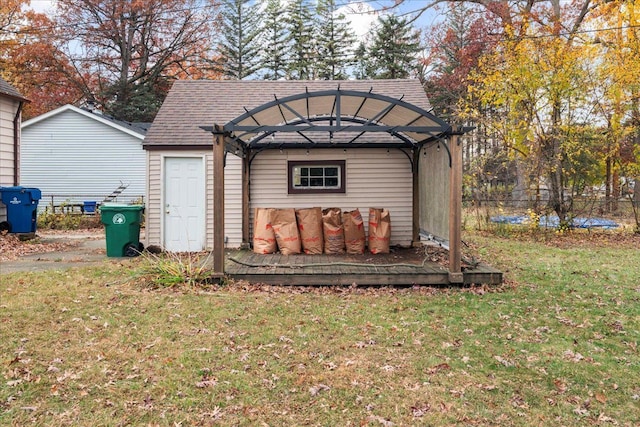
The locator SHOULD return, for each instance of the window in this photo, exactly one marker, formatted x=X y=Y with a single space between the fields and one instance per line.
x=316 y=176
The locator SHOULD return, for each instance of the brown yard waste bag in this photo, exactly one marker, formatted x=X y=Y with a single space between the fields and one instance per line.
x=353 y=232
x=310 y=226
x=286 y=229
x=264 y=238
x=379 y=230
x=333 y=231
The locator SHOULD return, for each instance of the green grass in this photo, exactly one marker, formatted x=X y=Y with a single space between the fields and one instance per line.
x=555 y=345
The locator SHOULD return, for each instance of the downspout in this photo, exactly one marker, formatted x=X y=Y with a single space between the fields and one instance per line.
x=16 y=143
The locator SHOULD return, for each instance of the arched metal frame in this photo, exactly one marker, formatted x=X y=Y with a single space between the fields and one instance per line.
x=334 y=111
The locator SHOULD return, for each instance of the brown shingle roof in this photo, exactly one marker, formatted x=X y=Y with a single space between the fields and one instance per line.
x=8 y=90
x=194 y=103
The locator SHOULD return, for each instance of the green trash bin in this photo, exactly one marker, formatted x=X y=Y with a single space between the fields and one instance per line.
x=122 y=229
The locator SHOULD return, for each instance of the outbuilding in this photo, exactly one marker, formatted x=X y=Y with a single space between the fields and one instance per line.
x=219 y=149
x=77 y=154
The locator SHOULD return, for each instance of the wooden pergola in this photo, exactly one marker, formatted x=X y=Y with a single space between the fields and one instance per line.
x=337 y=119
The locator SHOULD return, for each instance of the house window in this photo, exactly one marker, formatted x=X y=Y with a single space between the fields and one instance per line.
x=307 y=177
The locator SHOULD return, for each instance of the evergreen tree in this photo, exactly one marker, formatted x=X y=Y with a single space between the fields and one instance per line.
x=362 y=69
x=240 y=44
x=301 y=41
x=393 y=53
x=274 y=30
x=334 y=42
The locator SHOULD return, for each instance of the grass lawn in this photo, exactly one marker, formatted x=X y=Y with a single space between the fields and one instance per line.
x=557 y=344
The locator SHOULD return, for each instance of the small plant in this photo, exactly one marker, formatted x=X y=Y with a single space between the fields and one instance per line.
x=170 y=269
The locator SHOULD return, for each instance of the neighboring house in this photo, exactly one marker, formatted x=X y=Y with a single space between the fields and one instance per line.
x=269 y=128
x=11 y=103
x=74 y=155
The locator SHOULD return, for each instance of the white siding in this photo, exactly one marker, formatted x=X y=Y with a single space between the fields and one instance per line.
x=374 y=178
x=8 y=108
x=233 y=197
x=76 y=156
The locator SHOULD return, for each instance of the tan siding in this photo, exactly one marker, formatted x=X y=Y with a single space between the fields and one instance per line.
x=233 y=197
x=8 y=110
x=375 y=178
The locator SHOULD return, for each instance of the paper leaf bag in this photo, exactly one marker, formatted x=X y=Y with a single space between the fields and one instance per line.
x=354 y=238
x=264 y=238
x=310 y=226
x=285 y=227
x=333 y=231
x=379 y=230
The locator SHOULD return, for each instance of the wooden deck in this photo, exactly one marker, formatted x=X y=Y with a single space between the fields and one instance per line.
x=346 y=270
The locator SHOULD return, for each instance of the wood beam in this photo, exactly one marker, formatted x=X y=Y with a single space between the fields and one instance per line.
x=246 y=178
x=218 y=201
x=455 y=211
x=415 y=229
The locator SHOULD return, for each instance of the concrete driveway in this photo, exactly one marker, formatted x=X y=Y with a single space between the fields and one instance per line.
x=85 y=249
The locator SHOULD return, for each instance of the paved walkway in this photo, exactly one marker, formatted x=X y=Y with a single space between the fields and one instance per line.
x=88 y=249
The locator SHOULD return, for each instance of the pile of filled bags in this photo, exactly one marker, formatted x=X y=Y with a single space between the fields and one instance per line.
x=315 y=231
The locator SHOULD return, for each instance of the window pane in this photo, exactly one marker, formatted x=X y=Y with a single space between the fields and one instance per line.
x=304 y=182
x=331 y=171
x=317 y=182
x=304 y=171
x=317 y=171
x=331 y=182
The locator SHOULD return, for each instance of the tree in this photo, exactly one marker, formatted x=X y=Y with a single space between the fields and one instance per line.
x=274 y=30
x=334 y=42
x=537 y=79
x=302 y=53
x=394 y=49
x=240 y=44
x=30 y=61
x=124 y=53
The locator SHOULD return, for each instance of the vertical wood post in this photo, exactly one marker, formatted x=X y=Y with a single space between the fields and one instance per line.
x=415 y=172
x=218 y=201
x=246 y=176
x=455 y=211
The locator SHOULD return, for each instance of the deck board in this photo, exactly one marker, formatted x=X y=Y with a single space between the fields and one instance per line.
x=259 y=268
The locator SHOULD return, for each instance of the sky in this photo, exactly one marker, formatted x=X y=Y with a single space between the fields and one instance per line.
x=361 y=13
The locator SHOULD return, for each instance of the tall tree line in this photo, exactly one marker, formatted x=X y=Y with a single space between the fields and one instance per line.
x=123 y=55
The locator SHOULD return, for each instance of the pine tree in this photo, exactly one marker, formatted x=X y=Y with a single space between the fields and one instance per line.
x=274 y=30
x=393 y=53
x=334 y=42
x=240 y=44
x=301 y=41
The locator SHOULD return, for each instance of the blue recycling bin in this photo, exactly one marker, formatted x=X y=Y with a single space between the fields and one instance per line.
x=22 y=208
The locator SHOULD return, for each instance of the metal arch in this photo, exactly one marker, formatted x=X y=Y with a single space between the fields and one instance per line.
x=253 y=142
x=229 y=126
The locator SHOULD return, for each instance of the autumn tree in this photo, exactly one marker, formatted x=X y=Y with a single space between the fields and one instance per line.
x=30 y=60
x=124 y=54
x=537 y=82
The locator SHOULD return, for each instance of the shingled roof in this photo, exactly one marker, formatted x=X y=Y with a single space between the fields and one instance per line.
x=7 y=90
x=191 y=104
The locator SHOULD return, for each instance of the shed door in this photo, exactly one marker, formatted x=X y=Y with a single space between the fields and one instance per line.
x=184 y=204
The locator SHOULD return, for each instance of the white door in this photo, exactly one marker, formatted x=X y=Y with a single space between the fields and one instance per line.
x=184 y=204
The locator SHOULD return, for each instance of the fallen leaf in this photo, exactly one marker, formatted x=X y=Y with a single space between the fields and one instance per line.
x=314 y=390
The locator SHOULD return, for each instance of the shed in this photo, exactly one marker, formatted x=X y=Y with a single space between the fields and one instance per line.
x=391 y=151
x=11 y=103
x=75 y=154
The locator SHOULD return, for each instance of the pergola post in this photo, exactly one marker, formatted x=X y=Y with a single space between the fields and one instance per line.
x=218 y=201
x=246 y=174
x=455 y=211
x=415 y=174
